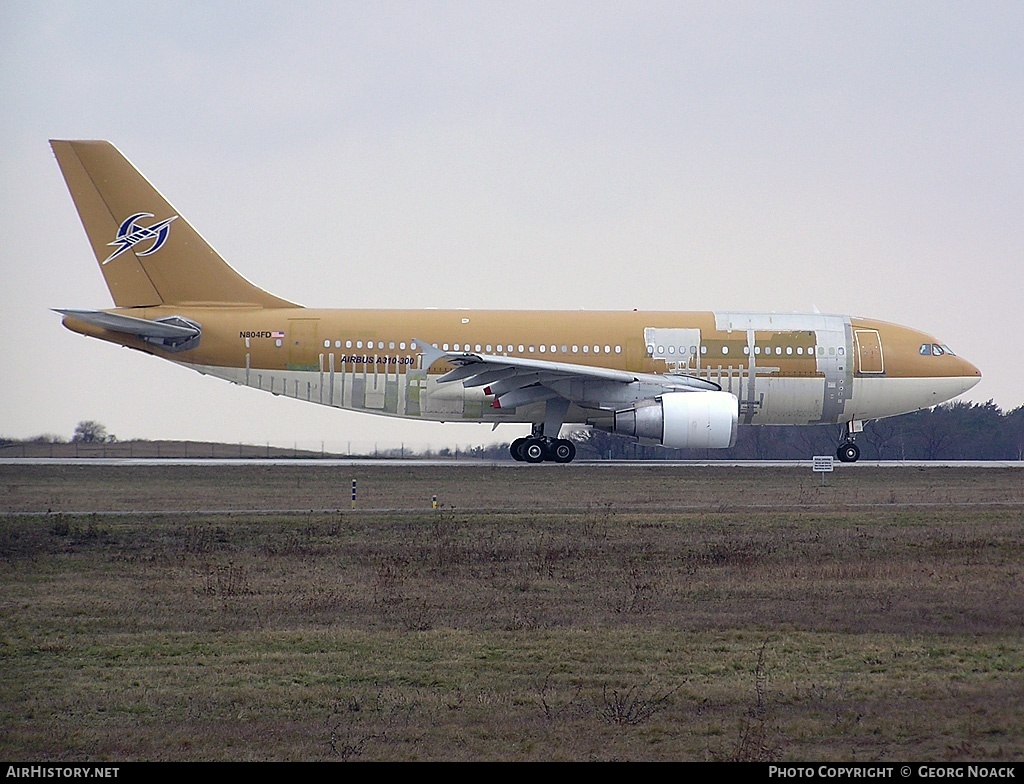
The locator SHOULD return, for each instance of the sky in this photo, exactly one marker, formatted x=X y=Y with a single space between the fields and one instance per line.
x=860 y=158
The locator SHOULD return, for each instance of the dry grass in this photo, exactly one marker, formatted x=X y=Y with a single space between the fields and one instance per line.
x=674 y=614
x=583 y=487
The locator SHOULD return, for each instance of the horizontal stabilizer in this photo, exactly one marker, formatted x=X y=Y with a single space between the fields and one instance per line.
x=171 y=333
x=144 y=328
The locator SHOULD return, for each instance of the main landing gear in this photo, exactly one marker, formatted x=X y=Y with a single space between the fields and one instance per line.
x=537 y=449
x=848 y=451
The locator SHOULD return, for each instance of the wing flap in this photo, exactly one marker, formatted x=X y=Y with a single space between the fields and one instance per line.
x=516 y=381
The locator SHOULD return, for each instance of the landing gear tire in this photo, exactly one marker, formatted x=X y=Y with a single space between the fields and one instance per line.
x=563 y=451
x=515 y=449
x=533 y=450
x=848 y=452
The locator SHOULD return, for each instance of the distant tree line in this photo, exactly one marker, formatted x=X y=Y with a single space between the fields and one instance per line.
x=88 y=431
x=952 y=431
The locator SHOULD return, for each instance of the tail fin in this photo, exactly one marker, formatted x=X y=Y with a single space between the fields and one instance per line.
x=147 y=253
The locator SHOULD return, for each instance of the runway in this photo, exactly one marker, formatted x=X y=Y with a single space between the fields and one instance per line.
x=438 y=463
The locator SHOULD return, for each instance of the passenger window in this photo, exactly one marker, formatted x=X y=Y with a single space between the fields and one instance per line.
x=725 y=350
x=618 y=349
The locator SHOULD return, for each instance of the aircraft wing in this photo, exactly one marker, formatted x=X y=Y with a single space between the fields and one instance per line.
x=517 y=381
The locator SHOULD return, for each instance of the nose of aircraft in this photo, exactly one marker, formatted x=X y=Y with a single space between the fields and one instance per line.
x=968 y=373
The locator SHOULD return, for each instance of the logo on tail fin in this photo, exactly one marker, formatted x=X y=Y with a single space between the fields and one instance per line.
x=131 y=234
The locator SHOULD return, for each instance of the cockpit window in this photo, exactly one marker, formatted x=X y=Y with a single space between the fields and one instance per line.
x=934 y=350
x=937 y=350
x=926 y=349
x=947 y=350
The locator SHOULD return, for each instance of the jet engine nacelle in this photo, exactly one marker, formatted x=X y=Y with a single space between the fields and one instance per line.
x=683 y=420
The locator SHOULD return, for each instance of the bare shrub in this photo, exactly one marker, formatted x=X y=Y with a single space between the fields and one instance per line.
x=346 y=737
x=61 y=526
x=637 y=592
x=228 y=579
x=756 y=738
x=564 y=709
x=632 y=705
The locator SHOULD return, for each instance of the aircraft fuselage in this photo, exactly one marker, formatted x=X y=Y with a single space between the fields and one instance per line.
x=783 y=368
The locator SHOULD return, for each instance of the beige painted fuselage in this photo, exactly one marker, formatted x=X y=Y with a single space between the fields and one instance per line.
x=810 y=368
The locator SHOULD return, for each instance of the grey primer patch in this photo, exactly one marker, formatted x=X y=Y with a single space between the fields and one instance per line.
x=832 y=333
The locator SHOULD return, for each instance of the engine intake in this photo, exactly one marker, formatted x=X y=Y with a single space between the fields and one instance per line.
x=683 y=420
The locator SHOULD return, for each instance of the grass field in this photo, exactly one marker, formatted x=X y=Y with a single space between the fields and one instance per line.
x=542 y=613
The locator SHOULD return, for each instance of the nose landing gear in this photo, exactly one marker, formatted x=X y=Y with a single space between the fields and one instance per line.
x=848 y=451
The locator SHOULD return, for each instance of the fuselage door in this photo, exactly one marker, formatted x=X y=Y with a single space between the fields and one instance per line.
x=869 y=351
x=302 y=344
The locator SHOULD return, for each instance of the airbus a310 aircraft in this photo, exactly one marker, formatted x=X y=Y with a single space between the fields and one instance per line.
x=683 y=380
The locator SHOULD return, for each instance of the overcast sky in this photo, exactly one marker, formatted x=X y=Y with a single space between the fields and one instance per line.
x=861 y=158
